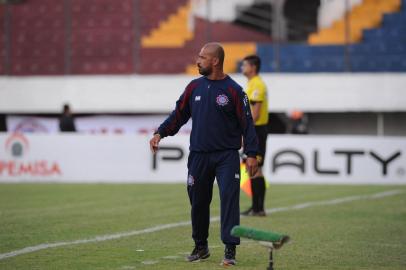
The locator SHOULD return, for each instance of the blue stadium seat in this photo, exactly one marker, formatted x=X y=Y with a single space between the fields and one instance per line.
x=394 y=20
x=365 y=63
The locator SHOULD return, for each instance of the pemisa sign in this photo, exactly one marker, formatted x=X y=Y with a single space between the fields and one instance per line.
x=17 y=162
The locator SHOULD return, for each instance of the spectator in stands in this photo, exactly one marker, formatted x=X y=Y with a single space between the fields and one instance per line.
x=66 y=121
x=258 y=98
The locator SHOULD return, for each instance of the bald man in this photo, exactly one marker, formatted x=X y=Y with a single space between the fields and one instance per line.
x=221 y=117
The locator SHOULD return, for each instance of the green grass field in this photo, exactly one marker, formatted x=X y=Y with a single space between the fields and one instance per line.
x=364 y=233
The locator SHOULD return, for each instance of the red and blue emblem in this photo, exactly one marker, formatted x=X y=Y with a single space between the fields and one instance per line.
x=222 y=100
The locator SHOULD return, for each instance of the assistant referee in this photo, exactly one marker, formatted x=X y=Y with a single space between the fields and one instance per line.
x=258 y=98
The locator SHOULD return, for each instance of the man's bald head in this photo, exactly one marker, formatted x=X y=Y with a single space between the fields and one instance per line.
x=210 y=60
x=216 y=50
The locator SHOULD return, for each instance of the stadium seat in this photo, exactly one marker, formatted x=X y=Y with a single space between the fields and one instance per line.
x=38 y=39
x=3 y=52
x=102 y=37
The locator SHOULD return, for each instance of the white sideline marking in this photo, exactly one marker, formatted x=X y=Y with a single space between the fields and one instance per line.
x=171 y=257
x=102 y=238
x=149 y=262
x=128 y=267
x=334 y=201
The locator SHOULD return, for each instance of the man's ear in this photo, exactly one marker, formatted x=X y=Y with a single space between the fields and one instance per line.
x=216 y=61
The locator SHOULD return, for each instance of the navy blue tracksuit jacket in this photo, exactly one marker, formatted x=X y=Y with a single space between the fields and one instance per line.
x=221 y=116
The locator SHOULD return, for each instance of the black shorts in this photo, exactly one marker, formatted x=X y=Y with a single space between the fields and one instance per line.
x=262 y=134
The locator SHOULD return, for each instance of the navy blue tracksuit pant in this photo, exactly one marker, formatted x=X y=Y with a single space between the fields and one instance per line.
x=203 y=168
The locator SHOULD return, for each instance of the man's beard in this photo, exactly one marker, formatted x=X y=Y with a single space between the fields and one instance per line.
x=205 y=71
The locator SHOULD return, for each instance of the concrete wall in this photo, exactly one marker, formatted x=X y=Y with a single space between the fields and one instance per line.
x=387 y=124
x=321 y=92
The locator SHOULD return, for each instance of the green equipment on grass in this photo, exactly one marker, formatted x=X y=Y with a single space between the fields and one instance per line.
x=271 y=240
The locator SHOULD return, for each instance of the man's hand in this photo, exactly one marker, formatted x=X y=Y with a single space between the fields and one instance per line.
x=154 y=143
x=251 y=166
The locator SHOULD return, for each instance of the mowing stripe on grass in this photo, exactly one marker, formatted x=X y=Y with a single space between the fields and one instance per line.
x=102 y=238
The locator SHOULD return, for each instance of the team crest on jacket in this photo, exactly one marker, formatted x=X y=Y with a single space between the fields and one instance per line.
x=222 y=100
x=190 y=180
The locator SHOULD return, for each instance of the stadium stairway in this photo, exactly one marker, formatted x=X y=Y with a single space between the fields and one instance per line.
x=300 y=18
x=257 y=16
x=152 y=13
x=173 y=32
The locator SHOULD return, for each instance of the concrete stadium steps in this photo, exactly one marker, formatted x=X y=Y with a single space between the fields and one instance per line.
x=173 y=32
x=255 y=16
x=367 y=15
x=152 y=13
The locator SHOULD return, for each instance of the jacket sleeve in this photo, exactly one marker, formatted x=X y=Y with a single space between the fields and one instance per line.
x=250 y=138
x=179 y=116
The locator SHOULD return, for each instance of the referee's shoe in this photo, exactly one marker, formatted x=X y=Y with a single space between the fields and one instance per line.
x=199 y=253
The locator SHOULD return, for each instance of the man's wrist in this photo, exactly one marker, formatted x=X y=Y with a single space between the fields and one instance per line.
x=156 y=133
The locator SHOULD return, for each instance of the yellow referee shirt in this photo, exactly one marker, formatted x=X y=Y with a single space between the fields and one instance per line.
x=257 y=92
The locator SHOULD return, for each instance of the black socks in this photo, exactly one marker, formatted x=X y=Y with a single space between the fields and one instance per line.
x=258 y=193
